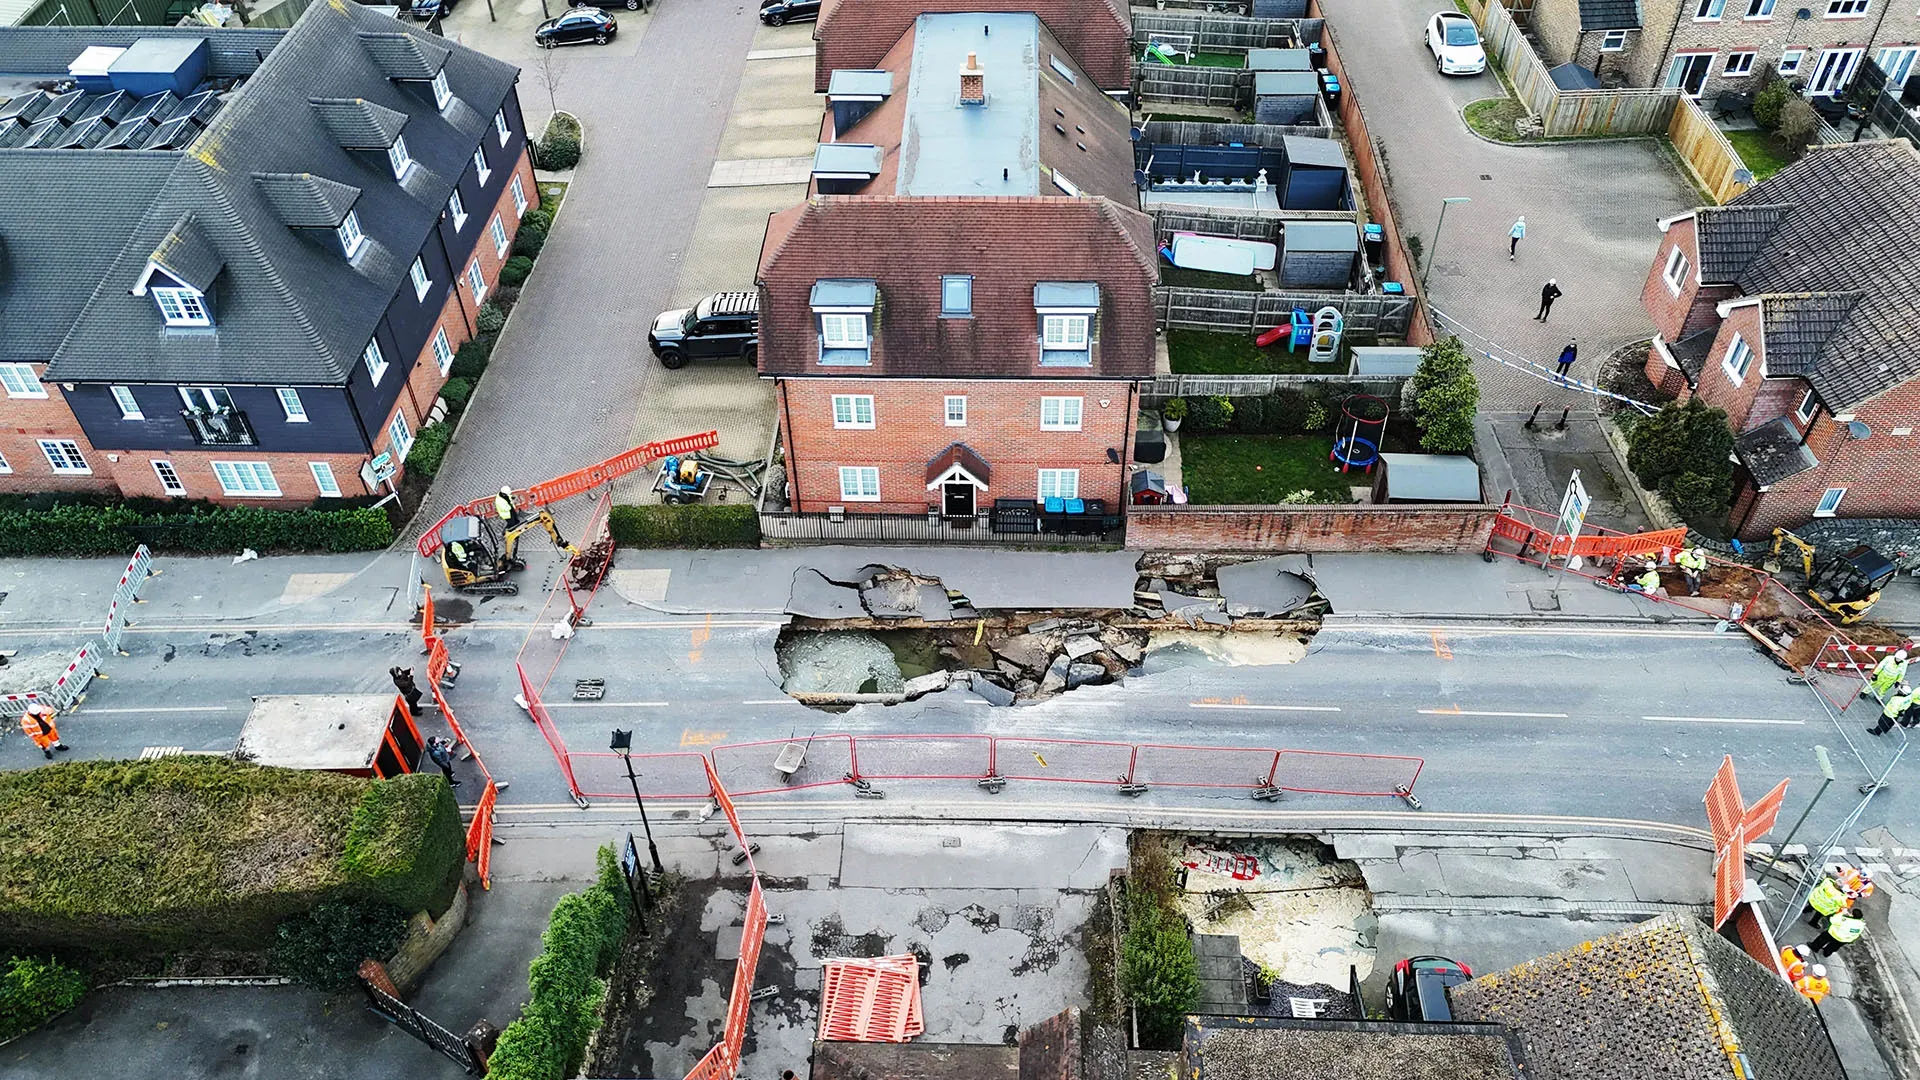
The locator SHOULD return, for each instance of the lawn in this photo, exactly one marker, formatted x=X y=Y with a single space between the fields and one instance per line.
x=1179 y=277
x=1208 y=59
x=1759 y=151
x=1261 y=470
x=1197 y=352
x=1493 y=118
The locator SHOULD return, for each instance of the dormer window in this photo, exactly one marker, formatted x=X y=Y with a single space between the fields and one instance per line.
x=841 y=310
x=181 y=307
x=397 y=157
x=500 y=126
x=442 y=93
x=376 y=362
x=1066 y=310
x=351 y=239
x=456 y=208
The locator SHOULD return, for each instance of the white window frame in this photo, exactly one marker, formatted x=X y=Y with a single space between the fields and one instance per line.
x=844 y=330
x=1759 y=9
x=246 y=479
x=21 y=382
x=398 y=157
x=291 y=404
x=351 y=238
x=399 y=435
x=500 y=126
x=853 y=411
x=1807 y=407
x=61 y=454
x=184 y=307
x=1829 y=502
x=323 y=479
x=129 y=405
x=1065 y=184
x=375 y=360
x=477 y=282
x=500 y=239
x=1737 y=350
x=1907 y=56
x=956 y=410
x=1613 y=41
x=1068 y=413
x=1675 y=275
x=1729 y=70
x=207 y=400
x=1709 y=10
x=1058 y=484
x=1075 y=333
x=442 y=93
x=168 y=476
x=519 y=197
x=442 y=349
x=458 y=209
x=480 y=166
x=421 y=282
x=859 y=483
x=1797 y=56
x=1848 y=9
x=948 y=310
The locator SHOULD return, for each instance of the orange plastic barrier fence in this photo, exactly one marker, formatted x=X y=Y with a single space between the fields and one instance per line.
x=480 y=835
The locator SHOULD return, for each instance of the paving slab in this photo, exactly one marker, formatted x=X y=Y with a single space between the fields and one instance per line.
x=1267 y=585
x=1017 y=857
x=1494 y=876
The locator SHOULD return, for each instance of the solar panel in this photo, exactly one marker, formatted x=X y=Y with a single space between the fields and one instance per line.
x=45 y=133
x=27 y=107
x=174 y=134
x=112 y=106
x=86 y=135
x=13 y=132
x=67 y=106
x=131 y=135
x=156 y=107
x=200 y=106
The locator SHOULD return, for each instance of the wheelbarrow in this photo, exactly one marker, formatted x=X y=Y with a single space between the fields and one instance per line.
x=792 y=756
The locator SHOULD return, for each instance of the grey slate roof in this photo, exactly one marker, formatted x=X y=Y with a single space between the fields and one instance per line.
x=1730 y=236
x=359 y=124
x=289 y=308
x=1797 y=326
x=405 y=56
x=1609 y=14
x=186 y=256
x=1773 y=451
x=1691 y=352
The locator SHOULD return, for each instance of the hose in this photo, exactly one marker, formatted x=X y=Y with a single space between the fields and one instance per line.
x=745 y=474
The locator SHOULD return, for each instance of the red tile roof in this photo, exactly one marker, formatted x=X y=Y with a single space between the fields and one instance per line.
x=906 y=244
x=857 y=33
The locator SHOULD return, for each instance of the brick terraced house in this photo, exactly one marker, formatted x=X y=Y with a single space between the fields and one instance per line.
x=855 y=34
x=961 y=310
x=239 y=262
x=1792 y=308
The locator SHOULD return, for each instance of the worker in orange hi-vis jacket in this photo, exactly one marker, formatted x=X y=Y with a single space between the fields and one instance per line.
x=38 y=725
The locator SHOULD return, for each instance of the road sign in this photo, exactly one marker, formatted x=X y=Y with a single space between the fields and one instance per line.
x=1573 y=514
x=383 y=467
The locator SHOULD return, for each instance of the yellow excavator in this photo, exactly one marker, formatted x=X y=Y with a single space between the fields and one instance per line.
x=1846 y=586
x=477 y=554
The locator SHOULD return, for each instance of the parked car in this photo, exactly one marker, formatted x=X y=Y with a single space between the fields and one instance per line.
x=778 y=12
x=1417 y=989
x=425 y=10
x=1455 y=44
x=577 y=27
x=724 y=326
x=630 y=5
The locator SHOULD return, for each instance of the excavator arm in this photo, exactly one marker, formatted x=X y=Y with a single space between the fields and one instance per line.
x=541 y=520
x=1782 y=537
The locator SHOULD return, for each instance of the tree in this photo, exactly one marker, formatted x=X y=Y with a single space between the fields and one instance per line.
x=1447 y=396
x=1798 y=125
x=1158 y=970
x=1685 y=453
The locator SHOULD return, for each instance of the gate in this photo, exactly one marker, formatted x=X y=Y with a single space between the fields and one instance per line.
x=384 y=1003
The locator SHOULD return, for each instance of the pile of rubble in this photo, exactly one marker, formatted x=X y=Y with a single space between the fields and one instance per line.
x=1212 y=591
x=1063 y=654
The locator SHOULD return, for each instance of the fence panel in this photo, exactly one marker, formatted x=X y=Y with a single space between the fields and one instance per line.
x=544 y=721
x=910 y=529
x=601 y=774
x=1157 y=765
x=1065 y=760
x=1171 y=386
x=747 y=768
x=1323 y=773
x=1229 y=33
x=1198 y=133
x=1503 y=41
x=922 y=757
x=1222 y=87
x=1231 y=312
x=72 y=683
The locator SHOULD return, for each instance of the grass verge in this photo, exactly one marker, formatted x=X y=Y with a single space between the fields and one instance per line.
x=1199 y=352
x=1759 y=151
x=1259 y=470
x=1493 y=118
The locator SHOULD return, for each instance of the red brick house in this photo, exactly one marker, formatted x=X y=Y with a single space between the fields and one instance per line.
x=1792 y=308
x=965 y=316
x=855 y=34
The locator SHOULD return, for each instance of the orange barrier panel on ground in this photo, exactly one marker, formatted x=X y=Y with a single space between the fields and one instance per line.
x=480 y=835
x=427 y=636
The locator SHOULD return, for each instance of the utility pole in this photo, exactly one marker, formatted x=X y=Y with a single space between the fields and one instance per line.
x=1434 y=255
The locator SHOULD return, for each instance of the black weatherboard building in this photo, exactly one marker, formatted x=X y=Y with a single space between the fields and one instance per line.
x=237 y=263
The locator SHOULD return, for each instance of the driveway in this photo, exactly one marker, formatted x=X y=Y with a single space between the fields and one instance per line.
x=1590 y=207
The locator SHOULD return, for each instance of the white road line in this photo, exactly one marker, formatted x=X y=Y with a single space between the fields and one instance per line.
x=1482 y=712
x=1721 y=720
x=1263 y=708
x=607 y=704
x=771 y=701
x=169 y=708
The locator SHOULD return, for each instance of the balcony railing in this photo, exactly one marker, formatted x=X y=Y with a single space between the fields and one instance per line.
x=224 y=427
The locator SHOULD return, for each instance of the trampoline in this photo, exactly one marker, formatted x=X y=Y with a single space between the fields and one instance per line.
x=1354 y=452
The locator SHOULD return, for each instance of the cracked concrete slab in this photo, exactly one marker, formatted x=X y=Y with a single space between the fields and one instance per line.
x=1014 y=857
x=1265 y=585
x=1469 y=874
x=816 y=597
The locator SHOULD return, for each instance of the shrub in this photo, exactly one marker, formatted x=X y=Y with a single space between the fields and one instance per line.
x=697 y=525
x=1693 y=437
x=1699 y=496
x=1449 y=397
x=1287 y=411
x=1250 y=415
x=457 y=392
x=1769 y=101
x=559 y=150
x=1158 y=970
x=565 y=982
x=470 y=362
x=429 y=450
x=406 y=844
x=505 y=297
x=1210 y=413
x=323 y=948
x=82 y=529
x=34 y=991
x=1797 y=127
x=540 y=218
x=1175 y=409
x=516 y=270
x=1316 y=418
x=489 y=319
x=529 y=242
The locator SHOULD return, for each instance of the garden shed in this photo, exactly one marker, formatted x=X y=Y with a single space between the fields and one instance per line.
x=1279 y=60
x=1316 y=175
x=1285 y=97
x=1388 y=361
x=1318 y=254
x=1426 y=478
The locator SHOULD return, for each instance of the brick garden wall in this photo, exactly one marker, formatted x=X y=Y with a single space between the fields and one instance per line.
x=1447 y=530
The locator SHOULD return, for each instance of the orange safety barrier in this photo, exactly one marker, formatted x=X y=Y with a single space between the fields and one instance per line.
x=480 y=834
x=723 y=1061
x=871 y=1000
x=427 y=636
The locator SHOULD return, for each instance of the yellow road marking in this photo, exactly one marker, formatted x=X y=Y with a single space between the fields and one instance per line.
x=694 y=737
x=701 y=635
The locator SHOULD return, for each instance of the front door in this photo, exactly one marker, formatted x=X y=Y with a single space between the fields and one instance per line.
x=1833 y=70
x=1689 y=72
x=957 y=500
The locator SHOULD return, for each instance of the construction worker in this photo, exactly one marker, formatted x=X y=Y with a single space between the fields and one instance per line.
x=1814 y=985
x=1893 y=710
x=1693 y=564
x=1649 y=580
x=1826 y=900
x=1793 y=960
x=1842 y=928
x=1889 y=672
x=38 y=724
x=503 y=506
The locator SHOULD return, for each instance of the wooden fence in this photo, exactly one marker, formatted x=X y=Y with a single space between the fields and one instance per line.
x=1230 y=88
x=1566 y=113
x=1189 y=386
x=1239 y=224
x=1219 y=33
x=1366 y=315
x=1714 y=161
x=1194 y=133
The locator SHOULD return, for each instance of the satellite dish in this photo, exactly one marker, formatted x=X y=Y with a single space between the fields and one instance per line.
x=1857 y=429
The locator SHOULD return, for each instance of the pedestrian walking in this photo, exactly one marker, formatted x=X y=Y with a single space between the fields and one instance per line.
x=403 y=682
x=1515 y=235
x=1894 y=710
x=440 y=749
x=1842 y=929
x=38 y=724
x=1693 y=565
x=1889 y=672
x=1814 y=985
x=1825 y=901
x=1567 y=356
x=1548 y=294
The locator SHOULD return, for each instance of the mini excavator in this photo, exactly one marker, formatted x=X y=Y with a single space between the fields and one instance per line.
x=1846 y=585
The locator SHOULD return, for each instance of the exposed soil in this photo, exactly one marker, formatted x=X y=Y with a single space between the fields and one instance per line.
x=1737 y=585
x=653 y=980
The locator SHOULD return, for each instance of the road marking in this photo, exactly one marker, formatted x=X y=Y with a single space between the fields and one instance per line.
x=701 y=635
x=771 y=701
x=1722 y=720
x=1458 y=711
x=607 y=704
x=1266 y=708
x=692 y=737
x=1440 y=648
x=168 y=708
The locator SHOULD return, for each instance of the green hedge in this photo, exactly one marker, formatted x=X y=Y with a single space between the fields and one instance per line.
x=188 y=853
x=697 y=525
x=109 y=530
x=565 y=982
x=324 y=947
x=33 y=992
x=470 y=362
x=516 y=270
x=423 y=460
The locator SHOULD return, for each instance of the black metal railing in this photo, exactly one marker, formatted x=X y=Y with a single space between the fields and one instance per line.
x=933 y=528
x=222 y=427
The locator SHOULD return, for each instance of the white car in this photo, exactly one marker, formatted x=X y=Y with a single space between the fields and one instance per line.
x=1455 y=44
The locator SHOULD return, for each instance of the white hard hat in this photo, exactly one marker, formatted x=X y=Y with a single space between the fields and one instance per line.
x=1801 y=951
x=1651 y=565
x=1900 y=654
x=1820 y=971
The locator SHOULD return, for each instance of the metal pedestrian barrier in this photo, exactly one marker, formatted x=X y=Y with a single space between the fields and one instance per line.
x=125 y=595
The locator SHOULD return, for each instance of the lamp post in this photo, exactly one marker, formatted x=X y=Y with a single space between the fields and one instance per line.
x=1825 y=765
x=1434 y=255
x=623 y=742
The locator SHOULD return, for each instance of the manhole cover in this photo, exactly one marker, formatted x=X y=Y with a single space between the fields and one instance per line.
x=1486 y=176
x=1543 y=599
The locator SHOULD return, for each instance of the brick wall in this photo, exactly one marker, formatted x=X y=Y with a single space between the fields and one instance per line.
x=1693 y=310
x=1877 y=471
x=1886 y=22
x=133 y=471
x=1451 y=530
x=1003 y=427
x=1717 y=387
x=24 y=421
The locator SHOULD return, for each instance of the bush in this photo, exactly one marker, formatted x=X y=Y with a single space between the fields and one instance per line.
x=429 y=450
x=516 y=270
x=83 y=529
x=505 y=297
x=33 y=992
x=457 y=392
x=1699 y=496
x=470 y=362
x=1210 y=413
x=559 y=150
x=1769 y=101
x=565 y=982
x=1315 y=420
x=697 y=525
x=1448 y=397
x=1287 y=411
x=1175 y=409
x=1693 y=437
x=406 y=844
x=489 y=319
x=1250 y=416
x=324 y=947
x=529 y=241
x=1798 y=125
x=1158 y=970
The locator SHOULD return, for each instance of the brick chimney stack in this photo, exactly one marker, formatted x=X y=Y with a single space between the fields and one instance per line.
x=973 y=82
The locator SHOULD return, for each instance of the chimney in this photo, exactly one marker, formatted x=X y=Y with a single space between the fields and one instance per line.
x=973 y=82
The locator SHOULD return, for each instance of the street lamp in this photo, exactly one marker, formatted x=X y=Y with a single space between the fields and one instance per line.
x=1825 y=765
x=623 y=742
x=1434 y=255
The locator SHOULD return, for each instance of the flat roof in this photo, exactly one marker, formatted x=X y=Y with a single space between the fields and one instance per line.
x=951 y=149
x=1279 y=60
x=1385 y=359
x=1286 y=84
x=316 y=731
x=1432 y=477
x=862 y=158
x=1320 y=236
x=1305 y=150
x=860 y=82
